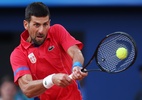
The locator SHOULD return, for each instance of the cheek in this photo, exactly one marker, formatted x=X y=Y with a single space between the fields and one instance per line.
x=47 y=29
x=32 y=32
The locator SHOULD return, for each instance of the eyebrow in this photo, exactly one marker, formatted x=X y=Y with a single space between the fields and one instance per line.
x=43 y=22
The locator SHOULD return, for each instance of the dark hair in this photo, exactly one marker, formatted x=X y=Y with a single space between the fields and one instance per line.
x=37 y=9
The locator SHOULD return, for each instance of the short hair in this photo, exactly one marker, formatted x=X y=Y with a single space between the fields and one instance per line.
x=37 y=9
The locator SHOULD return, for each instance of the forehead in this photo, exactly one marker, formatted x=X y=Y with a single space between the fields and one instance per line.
x=39 y=19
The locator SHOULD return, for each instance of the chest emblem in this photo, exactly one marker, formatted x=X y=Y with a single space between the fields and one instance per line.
x=32 y=58
x=50 y=48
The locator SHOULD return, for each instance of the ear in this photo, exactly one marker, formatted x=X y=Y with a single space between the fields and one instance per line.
x=25 y=24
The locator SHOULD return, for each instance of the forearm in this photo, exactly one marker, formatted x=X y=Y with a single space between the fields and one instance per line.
x=76 y=54
x=78 y=61
x=78 y=57
x=33 y=88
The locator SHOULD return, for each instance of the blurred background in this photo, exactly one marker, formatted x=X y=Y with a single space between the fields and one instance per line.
x=89 y=21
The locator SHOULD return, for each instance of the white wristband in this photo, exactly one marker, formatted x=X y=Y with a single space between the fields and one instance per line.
x=47 y=81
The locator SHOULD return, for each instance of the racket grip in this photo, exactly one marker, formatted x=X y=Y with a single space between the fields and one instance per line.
x=84 y=70
x=70 y=76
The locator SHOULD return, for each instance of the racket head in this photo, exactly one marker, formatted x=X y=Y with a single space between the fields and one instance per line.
x=105 y=54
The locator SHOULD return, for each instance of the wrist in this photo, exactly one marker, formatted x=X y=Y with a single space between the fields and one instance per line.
x=77 y=63
x=47 y=81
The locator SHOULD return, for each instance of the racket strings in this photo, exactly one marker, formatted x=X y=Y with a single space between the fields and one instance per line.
x=106 y=55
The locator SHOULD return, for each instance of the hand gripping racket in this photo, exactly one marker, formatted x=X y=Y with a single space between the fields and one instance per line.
x=107 y=56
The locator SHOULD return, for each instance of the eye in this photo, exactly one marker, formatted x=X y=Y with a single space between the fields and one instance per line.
x=36 y=25
x=45 y=24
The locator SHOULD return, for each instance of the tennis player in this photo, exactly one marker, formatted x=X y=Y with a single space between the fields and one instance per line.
x=46 y=57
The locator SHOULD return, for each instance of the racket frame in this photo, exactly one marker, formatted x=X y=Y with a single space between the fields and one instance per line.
x=94 y=56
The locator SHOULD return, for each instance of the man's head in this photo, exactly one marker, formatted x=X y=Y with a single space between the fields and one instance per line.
x=37 y=22
x=37 y=9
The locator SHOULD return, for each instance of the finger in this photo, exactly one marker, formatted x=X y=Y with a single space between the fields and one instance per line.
x=76 y=76
x=80 y=75
x=68 y=80
x=84 y=74
x=76 y=69
x=62 y=84
x=71 y=76
x=65 y=81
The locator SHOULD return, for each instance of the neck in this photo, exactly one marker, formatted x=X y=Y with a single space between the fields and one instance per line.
x=29 y=39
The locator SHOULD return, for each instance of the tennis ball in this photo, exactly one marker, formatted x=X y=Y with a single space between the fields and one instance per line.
x=121 y=53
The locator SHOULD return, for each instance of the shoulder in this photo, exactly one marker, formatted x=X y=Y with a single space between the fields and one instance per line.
x=57 y=27
x=57 y=30
x=18 y=51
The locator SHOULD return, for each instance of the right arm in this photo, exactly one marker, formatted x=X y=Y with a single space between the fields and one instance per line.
x=33 y=88
x=30 y=87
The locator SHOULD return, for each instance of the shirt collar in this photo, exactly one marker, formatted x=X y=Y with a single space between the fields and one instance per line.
x=24 y=37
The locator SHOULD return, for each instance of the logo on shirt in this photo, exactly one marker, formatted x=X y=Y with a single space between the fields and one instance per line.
x=50 y=48
x=32 y=58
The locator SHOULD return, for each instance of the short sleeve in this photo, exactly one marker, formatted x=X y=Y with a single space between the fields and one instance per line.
x=19 y=64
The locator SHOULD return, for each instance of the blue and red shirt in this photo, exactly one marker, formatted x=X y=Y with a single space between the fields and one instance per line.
x=50 y=57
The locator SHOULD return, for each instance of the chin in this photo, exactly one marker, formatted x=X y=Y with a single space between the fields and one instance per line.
x=38 y=43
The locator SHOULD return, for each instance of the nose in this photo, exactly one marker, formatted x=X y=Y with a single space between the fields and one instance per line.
x=41 y=28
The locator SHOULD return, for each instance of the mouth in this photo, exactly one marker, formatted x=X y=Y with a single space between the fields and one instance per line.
x=40 y=36
x=39 y=39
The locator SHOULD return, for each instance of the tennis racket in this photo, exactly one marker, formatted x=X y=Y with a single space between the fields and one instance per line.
x=105 y=53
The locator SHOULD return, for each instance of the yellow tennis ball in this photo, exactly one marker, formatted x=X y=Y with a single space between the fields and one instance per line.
x=121 y=53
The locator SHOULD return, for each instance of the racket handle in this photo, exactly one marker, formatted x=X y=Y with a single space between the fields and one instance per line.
x=70 y=76
x=84 y=70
